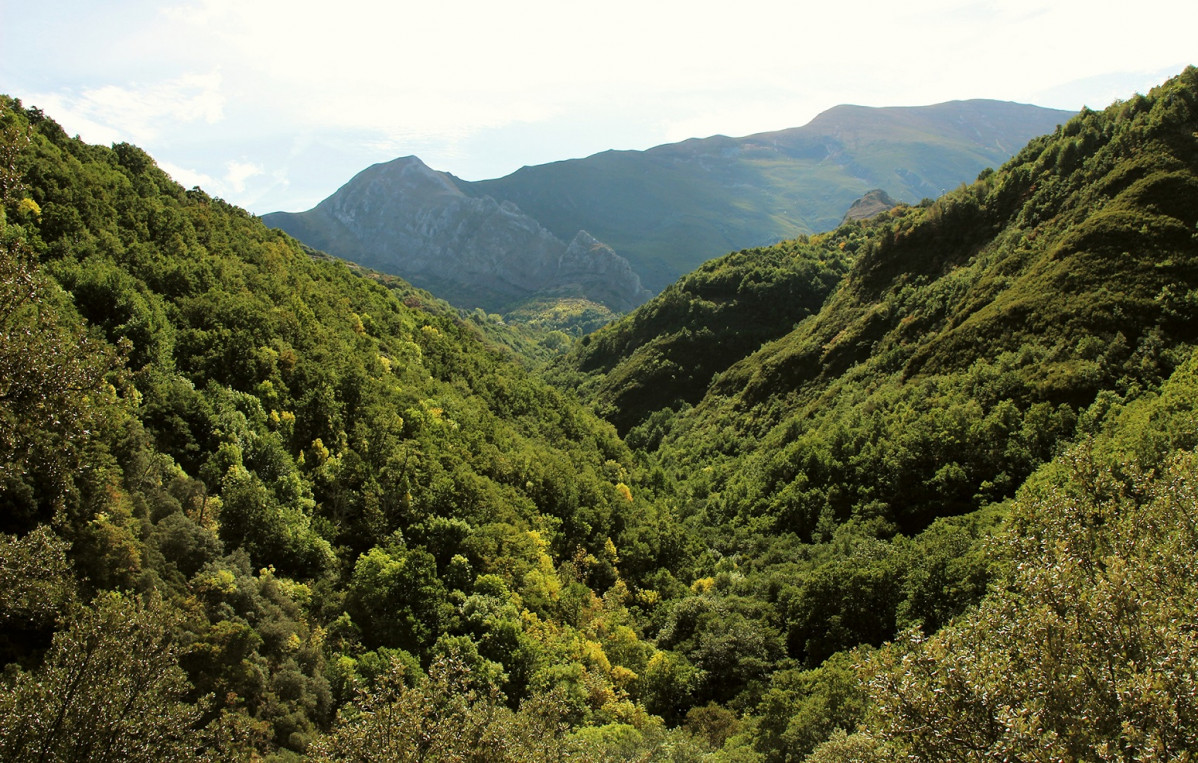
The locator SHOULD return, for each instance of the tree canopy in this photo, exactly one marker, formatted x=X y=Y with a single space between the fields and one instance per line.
x=920 y=487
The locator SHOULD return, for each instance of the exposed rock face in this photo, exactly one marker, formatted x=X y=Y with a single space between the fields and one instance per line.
x=404 y=218
x=606 y=277
x=870 y=205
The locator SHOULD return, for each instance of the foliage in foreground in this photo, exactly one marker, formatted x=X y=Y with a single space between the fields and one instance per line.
x=1087 y=646
x=313 y=471
x=335 y=515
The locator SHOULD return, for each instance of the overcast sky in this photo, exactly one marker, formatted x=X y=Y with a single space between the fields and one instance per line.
x=273 y=104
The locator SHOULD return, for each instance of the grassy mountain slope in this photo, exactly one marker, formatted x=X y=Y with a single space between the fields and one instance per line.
x=670 y=208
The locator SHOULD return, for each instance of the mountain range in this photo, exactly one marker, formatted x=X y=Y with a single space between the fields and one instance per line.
x=918 y=488
x=663 y=211
x=404 y=218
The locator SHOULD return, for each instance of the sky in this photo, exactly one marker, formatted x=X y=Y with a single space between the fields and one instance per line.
x=274 y=104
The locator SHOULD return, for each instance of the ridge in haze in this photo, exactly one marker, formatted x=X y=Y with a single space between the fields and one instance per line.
x=664 y=211
x=673 y=207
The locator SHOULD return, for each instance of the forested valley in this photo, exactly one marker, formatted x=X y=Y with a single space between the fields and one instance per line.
x=923 y=487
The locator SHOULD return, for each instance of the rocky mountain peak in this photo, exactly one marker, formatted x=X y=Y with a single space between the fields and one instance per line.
x=405 y=218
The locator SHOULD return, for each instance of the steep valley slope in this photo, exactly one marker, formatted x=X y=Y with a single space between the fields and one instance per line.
x=918 y=488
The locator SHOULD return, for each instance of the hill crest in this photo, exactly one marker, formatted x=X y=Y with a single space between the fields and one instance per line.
x=672 y=207
x=403 y=217
x=663 y=211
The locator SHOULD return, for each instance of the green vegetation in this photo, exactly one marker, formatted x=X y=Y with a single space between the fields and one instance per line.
x=664 y=355
x=669 y=209
x=573 y=316
x=918 y=488
x=850 y=471
x=965 y=342
x=297 y=474
x=1085 y=648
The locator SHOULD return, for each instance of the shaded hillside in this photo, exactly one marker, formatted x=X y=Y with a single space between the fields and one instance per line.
x=406 y=219
x=670 y=208
x=665 y=354
x=969 y=335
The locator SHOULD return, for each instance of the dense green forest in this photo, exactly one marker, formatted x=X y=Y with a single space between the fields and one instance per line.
x=919 y=488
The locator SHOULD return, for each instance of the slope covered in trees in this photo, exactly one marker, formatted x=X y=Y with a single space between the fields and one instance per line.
x=963 y=344
x=664 y=355
x=283 y=474
x=848 y=471
x=935 y=501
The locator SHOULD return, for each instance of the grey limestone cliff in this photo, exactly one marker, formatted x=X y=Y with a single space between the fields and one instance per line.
x=870 y=205
x=402 y=217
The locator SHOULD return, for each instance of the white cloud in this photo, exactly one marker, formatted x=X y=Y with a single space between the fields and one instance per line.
x=239 y=172
x=1100 y=90
x=234 y=180
x=229 y=87
x=188 y=178
x=133 y=112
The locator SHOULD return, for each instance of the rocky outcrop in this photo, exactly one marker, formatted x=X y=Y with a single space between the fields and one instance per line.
x=873 y=203
x=404 y=218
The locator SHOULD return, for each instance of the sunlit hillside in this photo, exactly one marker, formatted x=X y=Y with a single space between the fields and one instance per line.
x=916 y=488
